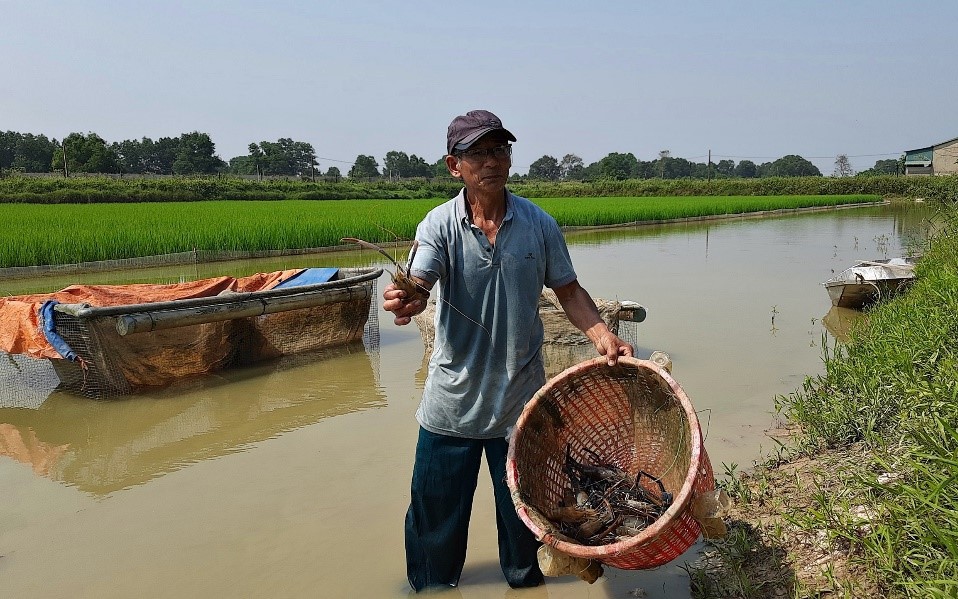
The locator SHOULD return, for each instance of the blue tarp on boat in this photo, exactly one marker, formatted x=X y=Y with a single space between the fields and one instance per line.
x=309 y=276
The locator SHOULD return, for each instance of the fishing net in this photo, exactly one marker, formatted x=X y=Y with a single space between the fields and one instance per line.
x=633 y=418
x=25 y=382
x=118 y=349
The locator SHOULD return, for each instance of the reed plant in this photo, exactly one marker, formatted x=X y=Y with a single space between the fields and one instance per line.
x=73 y=233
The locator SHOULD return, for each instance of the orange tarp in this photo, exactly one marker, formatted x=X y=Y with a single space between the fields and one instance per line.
x=21 y=333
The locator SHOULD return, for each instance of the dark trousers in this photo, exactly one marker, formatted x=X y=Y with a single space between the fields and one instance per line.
x=437 y=524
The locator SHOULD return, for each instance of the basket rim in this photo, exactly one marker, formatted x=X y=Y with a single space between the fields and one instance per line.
x=680 y=501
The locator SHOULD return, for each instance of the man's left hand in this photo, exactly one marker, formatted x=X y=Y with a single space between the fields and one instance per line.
x=609 y=344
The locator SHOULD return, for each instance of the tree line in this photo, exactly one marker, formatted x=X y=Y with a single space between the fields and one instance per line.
x=195 y=154
x=618 y=166
x=186 y=154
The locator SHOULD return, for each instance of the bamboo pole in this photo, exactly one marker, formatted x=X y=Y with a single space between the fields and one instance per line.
x=351 y=279
x=155 y=320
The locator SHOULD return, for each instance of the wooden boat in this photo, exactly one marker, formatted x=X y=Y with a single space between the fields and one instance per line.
x=108 y=340
x=870 y=281
x=563 y=345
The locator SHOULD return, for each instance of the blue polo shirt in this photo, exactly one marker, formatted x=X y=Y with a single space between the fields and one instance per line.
x=487 y=360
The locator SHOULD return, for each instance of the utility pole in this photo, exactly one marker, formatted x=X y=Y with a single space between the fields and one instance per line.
x=66 y=172
x=708 y=169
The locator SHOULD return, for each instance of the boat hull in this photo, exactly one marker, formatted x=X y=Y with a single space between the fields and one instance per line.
x=860 y=295
x=870 y=281
x=119 y=354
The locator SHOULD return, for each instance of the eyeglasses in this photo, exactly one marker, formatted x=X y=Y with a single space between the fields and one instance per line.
x=479 y=154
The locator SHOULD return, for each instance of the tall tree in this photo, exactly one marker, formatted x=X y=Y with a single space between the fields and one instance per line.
x=396 y=165
x=571 y=167
x=746 y=169
x=546 y=168
x=886 y=167
x=677 y=168
x=283 y=157
x=9 y=140
x=34 y=154
x=196 y=155
x=160 y=155
x=725 y=168
x=660 y=163
x=365 y=167
x=791 y=165
x=256 y=157
x=129 y=155
x=26 y=152
x=668 y=167
x=306 y=158
x=243 y=165
x=617 y=166
x=883 y=167
x=85 y=154
x=646 y=169
x=589 y=173
x=700 y=170
x=279 y=157
x=418 y=167
x=843 y=168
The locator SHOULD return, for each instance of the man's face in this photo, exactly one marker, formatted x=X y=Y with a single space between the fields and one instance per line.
x=485 y=165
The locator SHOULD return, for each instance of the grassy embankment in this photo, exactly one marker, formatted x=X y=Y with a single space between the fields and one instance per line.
x=41 y=234
x=862 y=499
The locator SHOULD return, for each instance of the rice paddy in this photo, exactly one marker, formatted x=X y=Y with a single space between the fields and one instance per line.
x=38 y=234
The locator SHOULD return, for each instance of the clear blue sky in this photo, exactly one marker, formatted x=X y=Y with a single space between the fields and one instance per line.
x=753 y=80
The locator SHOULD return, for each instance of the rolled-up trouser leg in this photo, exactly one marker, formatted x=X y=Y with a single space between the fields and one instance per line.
x=517 y=544
x=437 y=522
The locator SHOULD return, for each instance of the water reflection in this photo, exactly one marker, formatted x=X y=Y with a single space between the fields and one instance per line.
x=104 y=446
x=840 y=322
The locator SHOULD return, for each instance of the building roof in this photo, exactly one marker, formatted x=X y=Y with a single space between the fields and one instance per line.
x=931 y=147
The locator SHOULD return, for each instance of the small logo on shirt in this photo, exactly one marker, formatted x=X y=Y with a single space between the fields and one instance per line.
x=530 y=256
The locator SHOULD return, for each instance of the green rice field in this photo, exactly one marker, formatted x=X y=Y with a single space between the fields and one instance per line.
x=38 y=234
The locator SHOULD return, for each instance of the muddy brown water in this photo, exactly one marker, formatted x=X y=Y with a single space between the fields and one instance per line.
x=291 y=479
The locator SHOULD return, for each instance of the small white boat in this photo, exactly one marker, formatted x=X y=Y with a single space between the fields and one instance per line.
x=870 y=281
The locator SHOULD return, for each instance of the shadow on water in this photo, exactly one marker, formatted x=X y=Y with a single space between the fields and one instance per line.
x=105 y=446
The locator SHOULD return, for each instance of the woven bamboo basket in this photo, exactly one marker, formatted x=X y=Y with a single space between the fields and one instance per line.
x=633 y=415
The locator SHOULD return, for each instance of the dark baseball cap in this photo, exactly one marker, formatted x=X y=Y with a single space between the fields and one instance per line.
x=465 y=129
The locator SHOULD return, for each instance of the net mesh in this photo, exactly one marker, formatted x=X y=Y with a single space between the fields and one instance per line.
x=112 y=364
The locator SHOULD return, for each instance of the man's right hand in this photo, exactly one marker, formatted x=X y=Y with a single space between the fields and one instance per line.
x=395 y=302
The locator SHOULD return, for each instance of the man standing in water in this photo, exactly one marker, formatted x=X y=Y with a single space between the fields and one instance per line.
x=490 y=252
